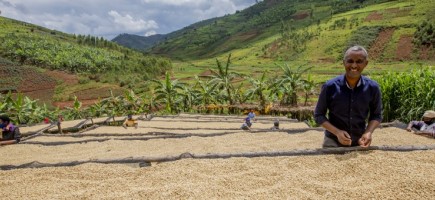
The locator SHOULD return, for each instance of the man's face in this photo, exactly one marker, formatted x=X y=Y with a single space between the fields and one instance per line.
x=427 y=120
x=354 y=64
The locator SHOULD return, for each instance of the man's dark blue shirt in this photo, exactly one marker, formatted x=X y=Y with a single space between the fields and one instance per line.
x=348 y=109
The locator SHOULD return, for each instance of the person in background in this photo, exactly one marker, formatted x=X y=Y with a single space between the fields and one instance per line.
x=246 y=124
x=10 y=133
x=275 y=125
x=130 y=122
x=352 y=102
x=251 y=114
x=425 y=127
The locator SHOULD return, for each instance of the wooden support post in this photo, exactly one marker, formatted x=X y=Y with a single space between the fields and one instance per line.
x=59 y=123
x=59 y=127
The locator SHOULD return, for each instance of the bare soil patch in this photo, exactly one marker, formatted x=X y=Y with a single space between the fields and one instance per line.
x=326 y=60
x=374 y=16
x=404 y=48
x=205 y=73
x=301 y=15
x=380 y=43
x=33 y=81
x=90 y=96
x=69 y=79
x=64 y=104
x=245 y=36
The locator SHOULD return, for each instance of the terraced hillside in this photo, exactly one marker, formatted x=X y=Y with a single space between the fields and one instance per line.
x=203 y=156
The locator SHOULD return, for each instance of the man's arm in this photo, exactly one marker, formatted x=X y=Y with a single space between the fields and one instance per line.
x=427 y=133
x=6 y=142
x=124 y=124
x=366 y=138
x=375 y=118
x=342 y=136
x=410 y=125
x=320 y=118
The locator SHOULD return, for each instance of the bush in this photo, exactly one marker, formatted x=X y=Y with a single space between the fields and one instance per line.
x=406 y=95
x=425 y=34
x=364 y=36
x=84 y=80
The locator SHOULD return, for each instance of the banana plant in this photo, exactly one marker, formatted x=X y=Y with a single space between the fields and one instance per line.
x=75 y=112
x=167 y=91
x=259 y=88
x=223 y=79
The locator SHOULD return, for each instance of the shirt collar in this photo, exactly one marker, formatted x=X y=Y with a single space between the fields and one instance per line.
x=360 y=82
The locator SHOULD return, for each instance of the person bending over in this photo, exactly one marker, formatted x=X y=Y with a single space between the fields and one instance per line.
x=425 y=127
x=10 y=133
x=130 y=122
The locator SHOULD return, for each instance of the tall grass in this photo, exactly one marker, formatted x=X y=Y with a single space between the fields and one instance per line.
x=406 y=95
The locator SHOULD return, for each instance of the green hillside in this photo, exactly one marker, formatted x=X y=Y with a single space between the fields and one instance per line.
x=309 y=33
x=255 y=23
x=93 y=62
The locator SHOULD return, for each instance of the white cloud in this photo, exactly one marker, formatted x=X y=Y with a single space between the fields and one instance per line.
x=109 y=18
x=129 y=24
x=149 y=33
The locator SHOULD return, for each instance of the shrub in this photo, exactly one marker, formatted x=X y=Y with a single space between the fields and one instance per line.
x=84 y=80
x=425 y=34
x=406 y=95
x=364 y=36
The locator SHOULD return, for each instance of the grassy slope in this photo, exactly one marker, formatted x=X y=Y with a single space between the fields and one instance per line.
x=130 y=62
x=9 y=26
x=245 y=60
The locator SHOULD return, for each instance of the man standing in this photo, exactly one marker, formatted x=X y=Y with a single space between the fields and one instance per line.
x=351 y=100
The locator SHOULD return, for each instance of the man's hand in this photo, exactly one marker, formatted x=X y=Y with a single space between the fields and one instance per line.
x=409 y=129
x=365 y=140
x=344 y=138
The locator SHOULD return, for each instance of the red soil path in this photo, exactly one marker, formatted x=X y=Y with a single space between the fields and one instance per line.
x=380 y=43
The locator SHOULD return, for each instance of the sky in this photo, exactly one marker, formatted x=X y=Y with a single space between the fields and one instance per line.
x=108 y=18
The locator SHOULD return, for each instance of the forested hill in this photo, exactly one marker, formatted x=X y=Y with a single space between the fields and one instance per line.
x=289 y=30
x=137 y=42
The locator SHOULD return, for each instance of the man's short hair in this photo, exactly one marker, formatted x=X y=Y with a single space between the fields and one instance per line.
x=356 y=48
